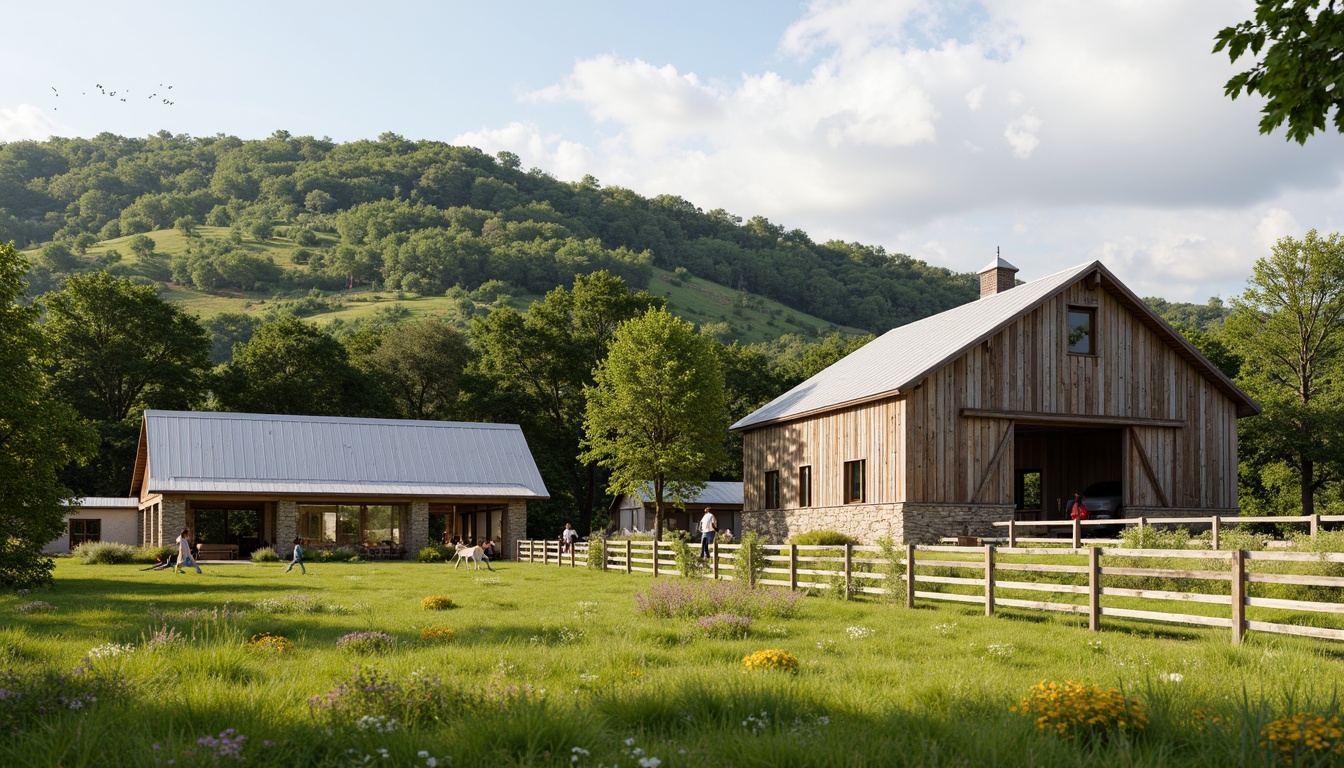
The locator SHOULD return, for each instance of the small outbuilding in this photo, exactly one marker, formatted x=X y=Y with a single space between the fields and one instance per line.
x=100 y=518
x=239 y=481
x=998 y=408
x=634 y=513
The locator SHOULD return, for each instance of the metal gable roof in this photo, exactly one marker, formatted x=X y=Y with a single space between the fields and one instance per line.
x=191 y=451
x=716 y=492
x=902 y=357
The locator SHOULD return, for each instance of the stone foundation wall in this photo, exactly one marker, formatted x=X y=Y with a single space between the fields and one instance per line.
x=926 y=523
x=914 y=522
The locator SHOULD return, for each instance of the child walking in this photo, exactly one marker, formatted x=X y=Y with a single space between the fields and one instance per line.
x=298 y=559
x=184 y=553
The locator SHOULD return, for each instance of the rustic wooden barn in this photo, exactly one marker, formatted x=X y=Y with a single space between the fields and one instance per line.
x=1004 y=406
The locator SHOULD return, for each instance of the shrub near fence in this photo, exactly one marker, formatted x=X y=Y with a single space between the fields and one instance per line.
x=1238 y=590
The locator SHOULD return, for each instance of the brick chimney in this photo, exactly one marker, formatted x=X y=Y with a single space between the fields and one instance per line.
x=997 y=277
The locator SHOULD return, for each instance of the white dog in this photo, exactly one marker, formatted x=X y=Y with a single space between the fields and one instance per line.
x=475 y=554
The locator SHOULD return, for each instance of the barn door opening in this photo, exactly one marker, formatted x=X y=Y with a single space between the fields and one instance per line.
x=1068 y=460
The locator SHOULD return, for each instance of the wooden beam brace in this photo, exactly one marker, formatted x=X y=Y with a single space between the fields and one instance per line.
x=1147 y=466
x=994 y=462
x=1031 y=417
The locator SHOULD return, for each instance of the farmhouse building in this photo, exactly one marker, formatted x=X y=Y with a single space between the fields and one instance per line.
x=634 y=512
x=100 y=518
x=243 y=480
x=1004 y=406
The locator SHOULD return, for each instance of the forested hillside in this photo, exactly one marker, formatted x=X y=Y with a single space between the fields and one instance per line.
x=424 y=217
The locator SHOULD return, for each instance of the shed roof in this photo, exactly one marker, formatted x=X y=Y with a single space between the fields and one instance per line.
x=194 y=451
x=107 y=502
x=716 y=492
x=901 y=358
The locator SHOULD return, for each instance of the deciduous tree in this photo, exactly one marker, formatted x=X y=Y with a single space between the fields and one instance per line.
x=1302 y=70
x=38 y=437
x=420 y=366
x=656 y=414
x=1287 y=329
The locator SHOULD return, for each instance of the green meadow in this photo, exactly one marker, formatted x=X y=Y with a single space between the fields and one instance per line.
x=559 y=667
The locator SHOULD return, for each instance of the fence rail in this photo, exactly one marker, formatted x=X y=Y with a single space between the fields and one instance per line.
x=971 y=574
x=1215 y=523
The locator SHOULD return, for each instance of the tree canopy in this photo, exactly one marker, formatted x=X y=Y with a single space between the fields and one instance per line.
x=656 y=414
x=39 y=436
x=1302 y=70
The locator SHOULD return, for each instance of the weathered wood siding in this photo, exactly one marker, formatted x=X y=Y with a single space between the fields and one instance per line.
x=872 y=432
x=1027 y=367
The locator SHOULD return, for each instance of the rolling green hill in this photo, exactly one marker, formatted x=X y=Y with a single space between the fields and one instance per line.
x=739 y=315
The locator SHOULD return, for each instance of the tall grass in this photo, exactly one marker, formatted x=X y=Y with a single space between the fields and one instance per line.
x=546 y=661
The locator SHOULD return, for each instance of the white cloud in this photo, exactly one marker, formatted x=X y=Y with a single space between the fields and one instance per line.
x=1021 y=135
x=27 y=122
x=911 y=124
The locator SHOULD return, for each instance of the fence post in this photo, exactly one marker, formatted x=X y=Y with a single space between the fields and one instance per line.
x=655 y=558
x=1142 y=522
x=750 y=575
x=989 y=579
x=560 y=553
x=605 y=543
x=1217 y=531
x=849 y=569
x=909 y=575
x=1012 y=532
x=714 y=561
x=571 y=555
x=793 y=567
x=1238 y=596
x=1315 y=524
x=1077 y=533
x=627 y=555
x=545 y=552
x=1094 y=589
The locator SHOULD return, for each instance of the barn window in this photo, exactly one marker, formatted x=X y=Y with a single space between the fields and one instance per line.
x=804 y=486
x=854 y=481
x=1082 y=320
x=772 y=489
x=84 y=529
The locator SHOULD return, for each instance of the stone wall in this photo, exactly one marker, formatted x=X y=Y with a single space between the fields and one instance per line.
x=515 y=528
x=417 y=534
x=172 y=519
x=903 y=521
x=286 y=527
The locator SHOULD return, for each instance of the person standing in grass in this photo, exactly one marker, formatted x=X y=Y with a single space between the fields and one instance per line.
x=709 y=525
x=298 y=559
x=567 y=538
x=184 y=553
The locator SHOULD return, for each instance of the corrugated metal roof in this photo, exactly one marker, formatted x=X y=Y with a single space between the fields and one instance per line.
x=902 y=356
x=191 y=451
x=716 y=492
x=107 y=502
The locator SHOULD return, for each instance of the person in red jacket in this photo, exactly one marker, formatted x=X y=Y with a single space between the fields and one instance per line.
x=1076 y=509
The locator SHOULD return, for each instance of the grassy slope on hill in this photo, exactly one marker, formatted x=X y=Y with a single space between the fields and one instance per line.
x=878 y=684
x=749 y=318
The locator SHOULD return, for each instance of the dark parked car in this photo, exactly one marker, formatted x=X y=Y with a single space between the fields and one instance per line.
x=1103 y=503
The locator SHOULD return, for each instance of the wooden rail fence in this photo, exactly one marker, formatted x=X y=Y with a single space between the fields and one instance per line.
x=984 y=577
x=1215 y=523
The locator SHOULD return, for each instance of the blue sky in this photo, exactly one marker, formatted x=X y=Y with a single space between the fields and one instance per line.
x=1060 y=131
